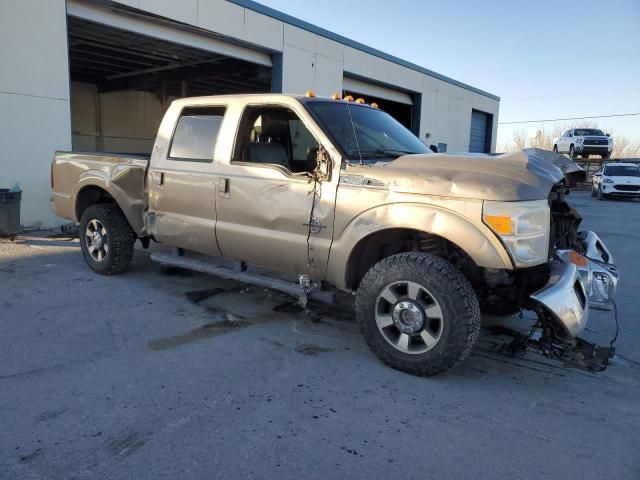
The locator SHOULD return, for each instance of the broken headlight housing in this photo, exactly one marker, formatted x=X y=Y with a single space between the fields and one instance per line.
x=523 y=227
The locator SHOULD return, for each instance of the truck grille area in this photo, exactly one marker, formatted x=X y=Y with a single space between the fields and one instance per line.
x=595 y=142
x=564 y=222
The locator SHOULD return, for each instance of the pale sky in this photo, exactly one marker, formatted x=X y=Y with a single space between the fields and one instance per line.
x=543 y=60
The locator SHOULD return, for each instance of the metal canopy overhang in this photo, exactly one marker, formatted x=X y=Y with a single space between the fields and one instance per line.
x=156 y=27
x=119 y=59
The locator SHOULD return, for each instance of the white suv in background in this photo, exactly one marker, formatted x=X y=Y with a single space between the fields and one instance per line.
x=616 y=179
x=584 y=142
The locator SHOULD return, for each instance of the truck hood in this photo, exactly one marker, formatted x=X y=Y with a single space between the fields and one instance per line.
x=523 y=175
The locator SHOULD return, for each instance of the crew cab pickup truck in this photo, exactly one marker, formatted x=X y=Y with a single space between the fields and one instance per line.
x=308 y=195
x=584 y=142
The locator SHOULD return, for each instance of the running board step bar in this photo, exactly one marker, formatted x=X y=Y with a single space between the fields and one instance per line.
x=298 y=291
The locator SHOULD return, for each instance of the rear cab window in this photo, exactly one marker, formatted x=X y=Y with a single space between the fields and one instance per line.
x=196 y=134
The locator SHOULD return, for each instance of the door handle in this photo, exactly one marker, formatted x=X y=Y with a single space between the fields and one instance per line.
x=223 y=187
x=159 y=180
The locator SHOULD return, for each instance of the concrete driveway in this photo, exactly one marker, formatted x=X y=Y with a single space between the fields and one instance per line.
x=167 y=374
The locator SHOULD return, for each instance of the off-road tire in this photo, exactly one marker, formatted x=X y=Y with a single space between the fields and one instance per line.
x=555 y=148
x=458 y=301
x=121 y=238
x=572 y=152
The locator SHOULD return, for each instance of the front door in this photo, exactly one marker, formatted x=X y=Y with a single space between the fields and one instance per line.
x=270 y=211
x=181 y=183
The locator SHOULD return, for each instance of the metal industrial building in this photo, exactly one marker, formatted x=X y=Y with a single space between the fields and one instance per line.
x=97 y=75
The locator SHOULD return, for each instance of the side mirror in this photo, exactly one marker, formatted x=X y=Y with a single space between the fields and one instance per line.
x=608 y=134
x=433 y=148
x=597 y=174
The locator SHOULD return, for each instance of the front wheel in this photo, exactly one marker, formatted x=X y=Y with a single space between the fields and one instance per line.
x=555 y=148
x=601 y=196
x=572 y=152
x=418 y=313
x=106 y=239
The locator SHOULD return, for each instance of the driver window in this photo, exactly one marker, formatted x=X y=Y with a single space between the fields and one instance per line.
x=275 y=136
x=570 y=133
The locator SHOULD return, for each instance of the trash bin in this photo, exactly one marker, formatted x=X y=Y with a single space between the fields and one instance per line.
x=9 y=212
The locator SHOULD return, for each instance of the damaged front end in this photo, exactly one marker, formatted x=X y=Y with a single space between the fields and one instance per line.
x=580 y=276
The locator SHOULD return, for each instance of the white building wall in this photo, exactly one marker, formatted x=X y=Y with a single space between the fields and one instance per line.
x=34 y=83
x=34 y=100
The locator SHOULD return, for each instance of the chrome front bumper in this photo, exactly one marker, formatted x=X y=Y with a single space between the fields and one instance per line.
x=579 y=282
x=599 y=273
x=564 y=297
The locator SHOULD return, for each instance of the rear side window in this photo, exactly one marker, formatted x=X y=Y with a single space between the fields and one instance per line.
x=194 y=139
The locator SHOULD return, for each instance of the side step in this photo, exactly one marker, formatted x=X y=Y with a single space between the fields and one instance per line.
x=300 y=293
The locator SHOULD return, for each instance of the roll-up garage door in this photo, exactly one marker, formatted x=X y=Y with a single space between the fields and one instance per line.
x=373 y=90
x=396 y=103
x=479 y=139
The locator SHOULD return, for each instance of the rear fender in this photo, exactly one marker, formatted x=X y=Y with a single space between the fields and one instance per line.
x=126 y=185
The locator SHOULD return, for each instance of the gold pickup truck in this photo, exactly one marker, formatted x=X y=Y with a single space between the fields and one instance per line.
x=333 y=194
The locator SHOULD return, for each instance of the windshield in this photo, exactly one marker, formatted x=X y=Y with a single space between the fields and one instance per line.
x=622 y=170
x=581 y=132
x=364 y=133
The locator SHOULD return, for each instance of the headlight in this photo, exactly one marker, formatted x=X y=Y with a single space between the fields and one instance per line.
x=607 y=180
x=523 y=227
x=579 y=140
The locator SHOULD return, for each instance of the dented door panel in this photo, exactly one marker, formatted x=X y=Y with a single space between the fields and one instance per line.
x=265 y=219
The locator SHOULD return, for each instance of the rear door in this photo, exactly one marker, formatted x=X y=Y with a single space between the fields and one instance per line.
x=181 y=181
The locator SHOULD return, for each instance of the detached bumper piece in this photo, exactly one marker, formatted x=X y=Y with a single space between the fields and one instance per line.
x=578 y=281
x=596 y=268
x=579 y=354
x=576 y=353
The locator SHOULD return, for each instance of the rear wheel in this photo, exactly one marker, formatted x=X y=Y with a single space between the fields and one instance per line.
x=418 y=313
x=106 y=239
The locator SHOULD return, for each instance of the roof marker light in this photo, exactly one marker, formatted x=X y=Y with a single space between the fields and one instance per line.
x=360 y=100
x=349 y=98
x=336 y=96
x=374 y=105
x=310 y=94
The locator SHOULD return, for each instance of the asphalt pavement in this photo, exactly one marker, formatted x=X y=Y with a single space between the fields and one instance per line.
x=160 y=373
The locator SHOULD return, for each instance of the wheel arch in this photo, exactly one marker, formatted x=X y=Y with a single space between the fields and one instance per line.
x=93 y=188
x=367 y=240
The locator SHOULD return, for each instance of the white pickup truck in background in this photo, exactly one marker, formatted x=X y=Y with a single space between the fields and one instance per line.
x=584 y=142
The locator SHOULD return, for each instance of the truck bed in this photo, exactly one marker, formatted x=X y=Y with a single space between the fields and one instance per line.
x=80 y=176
